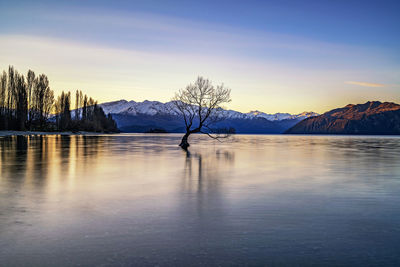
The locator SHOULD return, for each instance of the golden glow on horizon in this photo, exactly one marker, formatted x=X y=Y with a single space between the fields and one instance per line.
x=109 y=74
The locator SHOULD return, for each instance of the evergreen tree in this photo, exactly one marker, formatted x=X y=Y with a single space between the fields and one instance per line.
x=28 y=103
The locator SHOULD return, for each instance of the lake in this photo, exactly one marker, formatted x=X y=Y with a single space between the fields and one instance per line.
x=139 y=200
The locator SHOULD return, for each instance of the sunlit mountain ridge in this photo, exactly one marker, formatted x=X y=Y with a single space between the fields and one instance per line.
x=372 y=117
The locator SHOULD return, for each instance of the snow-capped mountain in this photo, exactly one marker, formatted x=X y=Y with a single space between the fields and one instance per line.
x=157 y=108
x=132 y=116
x=134 y=108
x=281 y=116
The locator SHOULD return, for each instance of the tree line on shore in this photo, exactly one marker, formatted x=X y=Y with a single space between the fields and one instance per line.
x=28 y=103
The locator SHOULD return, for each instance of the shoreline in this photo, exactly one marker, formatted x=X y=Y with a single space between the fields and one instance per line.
x=34 y=133
x=25 y=133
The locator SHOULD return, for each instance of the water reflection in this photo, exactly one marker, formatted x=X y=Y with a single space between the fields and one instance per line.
x=201 y=183
x=199 y=168
x=253 y=200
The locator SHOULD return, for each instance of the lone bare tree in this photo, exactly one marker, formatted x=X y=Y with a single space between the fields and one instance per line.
x=200 y=106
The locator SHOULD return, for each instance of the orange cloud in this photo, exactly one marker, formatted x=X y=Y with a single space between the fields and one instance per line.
x=365 y=84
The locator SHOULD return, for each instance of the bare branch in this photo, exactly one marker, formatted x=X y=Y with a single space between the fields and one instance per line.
x=217 y=137
x=200 y=104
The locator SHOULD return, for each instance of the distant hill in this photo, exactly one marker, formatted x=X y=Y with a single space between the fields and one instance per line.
x=132 y=116
x=369 y=118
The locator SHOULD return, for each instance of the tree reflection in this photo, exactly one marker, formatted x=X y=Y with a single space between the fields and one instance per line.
x=13 y=156
x=39 y=156
x=203 y=175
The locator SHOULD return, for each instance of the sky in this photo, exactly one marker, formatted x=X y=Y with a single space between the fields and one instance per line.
x=276 y=56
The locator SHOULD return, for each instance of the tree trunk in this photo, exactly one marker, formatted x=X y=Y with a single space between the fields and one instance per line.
x=184 y=143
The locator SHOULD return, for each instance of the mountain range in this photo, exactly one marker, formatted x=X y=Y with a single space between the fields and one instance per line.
x=370 y=118
x=373 y=117
x=132 y=116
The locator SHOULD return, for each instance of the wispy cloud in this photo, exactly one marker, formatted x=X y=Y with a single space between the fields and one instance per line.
x=365 y=84
x=159 y=33
x=113 y=55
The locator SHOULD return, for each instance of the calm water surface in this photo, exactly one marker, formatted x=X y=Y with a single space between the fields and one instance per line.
x=253 y=200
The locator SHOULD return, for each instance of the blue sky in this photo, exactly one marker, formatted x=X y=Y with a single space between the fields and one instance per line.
x=277 y=56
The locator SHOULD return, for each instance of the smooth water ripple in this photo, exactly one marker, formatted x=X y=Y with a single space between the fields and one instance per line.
x=135 y=200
